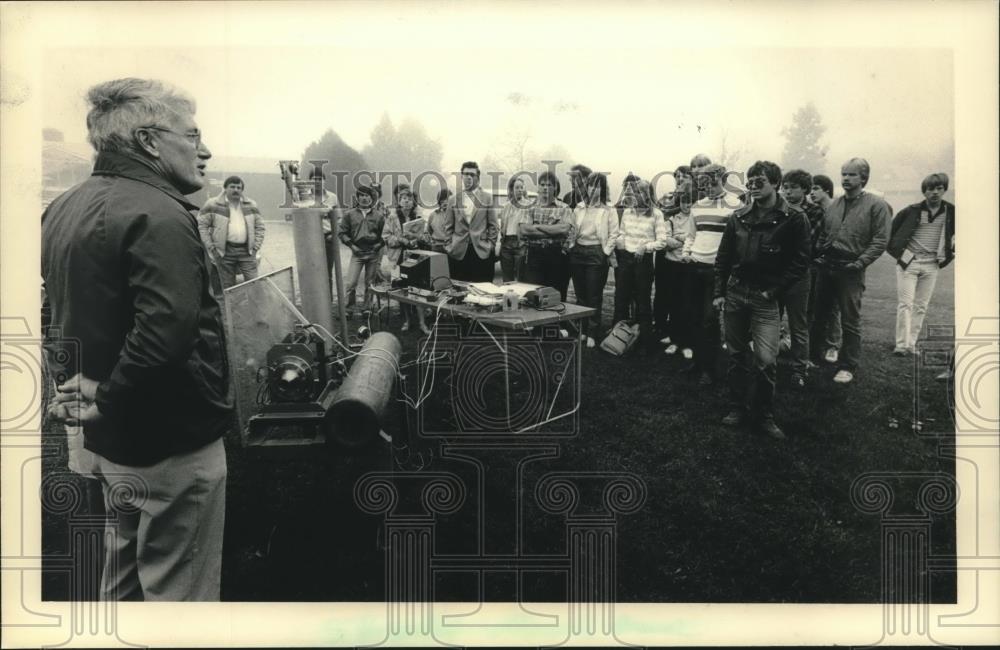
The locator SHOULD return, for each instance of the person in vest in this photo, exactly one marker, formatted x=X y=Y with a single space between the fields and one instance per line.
x=921 y=240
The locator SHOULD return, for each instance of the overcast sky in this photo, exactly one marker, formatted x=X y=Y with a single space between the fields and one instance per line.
x=619 y=90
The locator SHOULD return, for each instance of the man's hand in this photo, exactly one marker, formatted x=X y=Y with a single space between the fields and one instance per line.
x=854 y=266
x=686 y=258
x=767 y=295
x=613 y=260
x=74 y=401
x=719 y=303
x=78 y=383
x=75 y=413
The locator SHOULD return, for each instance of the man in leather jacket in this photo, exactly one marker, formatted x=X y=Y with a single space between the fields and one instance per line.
x=764 y=251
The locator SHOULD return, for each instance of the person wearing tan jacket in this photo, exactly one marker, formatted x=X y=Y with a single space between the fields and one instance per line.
x=232 y=229
x=471 y=222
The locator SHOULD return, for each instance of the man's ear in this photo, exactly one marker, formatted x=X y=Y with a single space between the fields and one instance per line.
x=144 y=140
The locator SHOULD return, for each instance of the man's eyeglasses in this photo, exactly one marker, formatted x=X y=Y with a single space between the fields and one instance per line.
x=757 y=181
x=194 y=137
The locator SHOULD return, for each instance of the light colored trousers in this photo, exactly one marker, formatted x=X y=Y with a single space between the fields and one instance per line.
x=165 y=525
x=914 y=288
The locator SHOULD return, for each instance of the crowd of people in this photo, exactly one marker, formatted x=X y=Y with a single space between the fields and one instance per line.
x=773 y=262
x=128 y=272
x=776 y=255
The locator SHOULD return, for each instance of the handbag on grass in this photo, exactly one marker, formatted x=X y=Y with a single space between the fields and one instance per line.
x=621 y=338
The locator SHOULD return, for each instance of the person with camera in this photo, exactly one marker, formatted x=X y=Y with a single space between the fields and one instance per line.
x=594 y=235
x=128 y=279
x=764 y=252
x=232 y=230
x=398 y=237
x=546 y=232
x=361 y=232
x=855 y=233
x=642 y=231
x=920 y=240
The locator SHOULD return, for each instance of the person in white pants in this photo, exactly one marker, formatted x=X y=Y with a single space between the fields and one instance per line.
x=922 y=241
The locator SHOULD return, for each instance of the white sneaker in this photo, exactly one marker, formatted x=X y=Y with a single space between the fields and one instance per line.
x=591 y=342
x=843 y=377
x=832 y=355
x=671 y=349
x=688 y=353
x=666 y=341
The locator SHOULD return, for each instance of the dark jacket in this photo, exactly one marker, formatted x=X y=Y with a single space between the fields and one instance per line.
x=363 y=230
x=906 y=222
x=127 y=280
x=767 y=249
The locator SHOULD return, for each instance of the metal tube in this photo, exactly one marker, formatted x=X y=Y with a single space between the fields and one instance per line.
x=338 y=273
x=310 y=260
x=355 y=417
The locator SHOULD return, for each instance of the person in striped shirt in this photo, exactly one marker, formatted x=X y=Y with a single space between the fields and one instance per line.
x=642 y=231
x=709 y=216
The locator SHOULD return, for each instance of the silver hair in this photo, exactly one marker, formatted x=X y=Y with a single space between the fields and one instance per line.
x=119 y=107
x=864 y=169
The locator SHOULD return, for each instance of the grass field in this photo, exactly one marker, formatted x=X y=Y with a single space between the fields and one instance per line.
x=729 y=516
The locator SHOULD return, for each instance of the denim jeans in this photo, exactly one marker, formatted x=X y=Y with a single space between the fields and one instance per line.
x=236 y=260
x=914 y=288
x=703 y=318
x=589 y=268
x=633 y=285
x=843 y=288
x=749 y=316
x=512 y=259
x=370 y=266
x=795 y=303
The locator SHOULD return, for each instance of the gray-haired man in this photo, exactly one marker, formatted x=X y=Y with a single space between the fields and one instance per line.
x=127 y=277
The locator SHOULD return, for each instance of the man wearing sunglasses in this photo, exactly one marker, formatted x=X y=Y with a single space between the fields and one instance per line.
x=127 y=279
x=765 y=251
